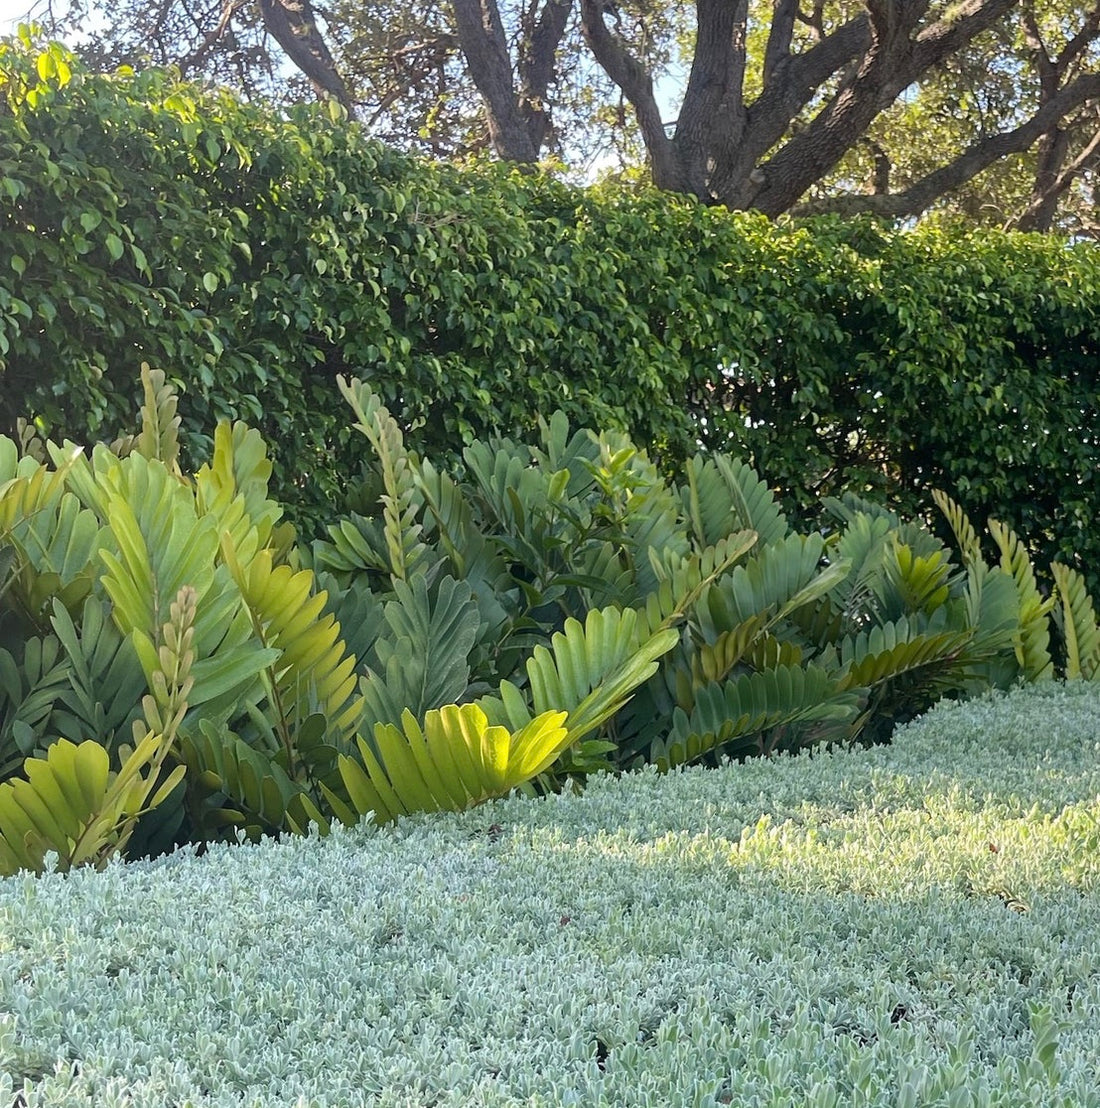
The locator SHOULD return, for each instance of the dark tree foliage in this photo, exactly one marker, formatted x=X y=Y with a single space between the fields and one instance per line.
x=988 y=108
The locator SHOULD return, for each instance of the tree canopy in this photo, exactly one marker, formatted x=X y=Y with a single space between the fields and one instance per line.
x=986 y=108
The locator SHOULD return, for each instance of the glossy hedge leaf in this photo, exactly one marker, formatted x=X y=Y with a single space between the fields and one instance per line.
x=903 y=360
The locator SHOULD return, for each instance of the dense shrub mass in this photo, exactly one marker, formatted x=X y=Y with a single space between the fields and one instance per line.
x=916 y=924
x=174 y=667
x=255 y=256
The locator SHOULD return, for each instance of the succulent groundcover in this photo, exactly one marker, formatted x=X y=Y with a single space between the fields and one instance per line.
x=911 y=924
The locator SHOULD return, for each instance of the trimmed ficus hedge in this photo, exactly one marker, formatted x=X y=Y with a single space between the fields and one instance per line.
x=255 y=256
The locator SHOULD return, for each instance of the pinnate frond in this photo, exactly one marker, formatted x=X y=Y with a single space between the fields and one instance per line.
x=732 y=714
x=1079 y=626
x=1032 y=639
x=454 y=760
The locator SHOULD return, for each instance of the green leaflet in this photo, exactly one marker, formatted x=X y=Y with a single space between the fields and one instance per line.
x=238 y=786
x=355 y=544
x=289 y=618
x=712 y=661
x=591 y=670
x=730 y=717
x=912 y=583
x=423 y=653
x=864 y=544
x=160 y=545
x=232 y=488
x=724 y=495
x=44 y=536
x=683 y=584
x=1079 y=626
x=1033 y=632
x=775 y=582
x=754 y=505
x=70 y=803
x=57 y=543
x=560 y=609
x=889 y=650
x=455 y=759
x=30 y=686
x=160 y=423
x=105 y=679
x=967 y=538
x=402 y=532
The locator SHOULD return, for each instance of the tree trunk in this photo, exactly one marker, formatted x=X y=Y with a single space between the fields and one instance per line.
x=720 y=141
x=538 y=66
x=1052 y=151
x=713 y=92
x=294 y=27
x=481 y=35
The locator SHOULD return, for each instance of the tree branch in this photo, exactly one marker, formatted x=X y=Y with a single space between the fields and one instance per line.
x=770 y=115
x=481 y=34
x=414 y=62
x=294 y=28
x=1033 y=37
x=980 y=155
x=1080 y=42
x=538 y=66
x=815 y=19
x=1037 y=216
x=637 y=86
x=954 y=30
x=778 y=49
x=893 y=62
x=195 y=58
x=880 y=181
x=892 y=21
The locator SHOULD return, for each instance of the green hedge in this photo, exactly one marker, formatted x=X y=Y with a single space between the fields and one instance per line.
x=255 y=256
